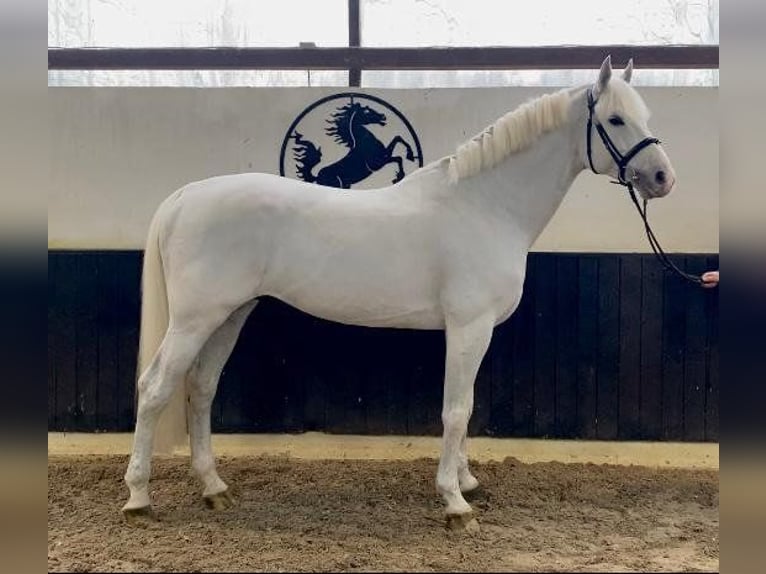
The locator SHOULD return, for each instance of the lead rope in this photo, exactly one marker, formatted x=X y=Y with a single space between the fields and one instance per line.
x=622 y=164
x=655 y=244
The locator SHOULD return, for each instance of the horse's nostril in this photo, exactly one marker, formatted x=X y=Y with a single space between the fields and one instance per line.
x=660 y=177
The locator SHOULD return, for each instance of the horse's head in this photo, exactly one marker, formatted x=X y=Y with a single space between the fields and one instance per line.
x=366 y=115
x=621 y=144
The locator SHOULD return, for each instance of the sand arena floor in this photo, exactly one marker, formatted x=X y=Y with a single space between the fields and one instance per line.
x=362 y=515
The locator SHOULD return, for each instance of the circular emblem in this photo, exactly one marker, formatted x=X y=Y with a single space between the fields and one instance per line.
x=350 y=141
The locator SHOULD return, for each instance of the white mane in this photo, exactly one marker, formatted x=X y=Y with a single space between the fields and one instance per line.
x=513 y=132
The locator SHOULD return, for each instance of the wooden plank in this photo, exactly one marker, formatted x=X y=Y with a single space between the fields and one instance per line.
x=652 y=305
x=129 y=314
x=629 y=426
x=54 y=336
x=587 y=346
x=695 y=354
x=377 y=412
x=294 y=326
x=523 y=354
x=713 y=368
x=238 y=405
x=66 y=343
x=87 y=340
x=608 y=347
x=422 y=58
x=501 y=349
x=344 y=355
x=480 y=418
x=227 y=411
x=270 y=379
x=544 y=376
x=108 y=340
x=566 y=346
x=425 y=352
x=315 y=385
x=674 y=340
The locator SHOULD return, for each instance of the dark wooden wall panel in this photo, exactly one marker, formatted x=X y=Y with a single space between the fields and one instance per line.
x=650 y=407
x=62 y=276
x=629 y=388
x=128 y=300
x=566 y=345
x=545 y=313
x=673 y=350
x=86 y=337
x=695 y=358
x=711 y=395
x=607 y=396
x=107 y=313
x=587 y=338
x=601 y=346
x=523 y=357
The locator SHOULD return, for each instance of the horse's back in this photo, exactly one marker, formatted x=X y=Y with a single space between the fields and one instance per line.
x=327 y=251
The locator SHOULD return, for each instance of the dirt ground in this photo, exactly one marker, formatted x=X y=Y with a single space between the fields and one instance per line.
x=298 y=515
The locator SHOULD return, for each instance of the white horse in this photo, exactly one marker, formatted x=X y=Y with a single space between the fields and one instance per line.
x=445 y=248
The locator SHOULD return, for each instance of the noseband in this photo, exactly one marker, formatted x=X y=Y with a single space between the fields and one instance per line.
x=622 y=165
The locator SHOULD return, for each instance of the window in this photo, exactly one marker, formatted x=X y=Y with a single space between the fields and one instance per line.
x=398 y=23
x=409 y=24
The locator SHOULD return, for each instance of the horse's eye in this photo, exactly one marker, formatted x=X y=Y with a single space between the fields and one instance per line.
x=616 y=121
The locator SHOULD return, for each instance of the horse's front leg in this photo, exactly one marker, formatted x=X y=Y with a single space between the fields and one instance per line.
x=466 y=346
x=400 y=140
x=400 y=171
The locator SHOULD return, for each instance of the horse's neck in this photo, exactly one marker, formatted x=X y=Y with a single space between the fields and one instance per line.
x=527 y=188
x=359 y=133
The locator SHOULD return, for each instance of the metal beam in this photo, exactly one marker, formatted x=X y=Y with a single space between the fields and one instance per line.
x=354 y=39
x=350 y=58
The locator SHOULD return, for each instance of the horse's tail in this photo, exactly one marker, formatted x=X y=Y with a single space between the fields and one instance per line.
x=171 y=429
x=306 y=156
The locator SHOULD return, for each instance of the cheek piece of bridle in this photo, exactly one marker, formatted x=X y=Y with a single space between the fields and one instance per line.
x=622 y=165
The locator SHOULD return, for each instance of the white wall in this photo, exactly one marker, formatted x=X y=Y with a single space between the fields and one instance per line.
x=116 y=152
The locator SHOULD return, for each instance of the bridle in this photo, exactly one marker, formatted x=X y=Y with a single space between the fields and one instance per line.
x=622 y=165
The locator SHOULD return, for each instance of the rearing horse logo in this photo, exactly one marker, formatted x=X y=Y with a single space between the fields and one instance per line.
x=356 y=153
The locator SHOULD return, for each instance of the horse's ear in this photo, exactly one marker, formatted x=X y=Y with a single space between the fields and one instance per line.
x=627 y=73
x=604 y=76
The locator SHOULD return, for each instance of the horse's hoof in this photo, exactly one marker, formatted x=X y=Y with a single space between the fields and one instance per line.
x=219 y=501
x=138 y=516
x=466 y=521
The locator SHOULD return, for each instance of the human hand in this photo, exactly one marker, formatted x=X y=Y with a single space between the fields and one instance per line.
x=710 y=279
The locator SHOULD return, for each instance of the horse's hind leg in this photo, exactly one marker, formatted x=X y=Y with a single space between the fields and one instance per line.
x=203 y=382
x=179 y=349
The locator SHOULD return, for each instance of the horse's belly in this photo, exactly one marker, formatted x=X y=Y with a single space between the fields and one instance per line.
x=368 y=314
x=375 y=292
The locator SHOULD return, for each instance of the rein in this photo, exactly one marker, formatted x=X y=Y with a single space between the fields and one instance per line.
x=622 y=164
